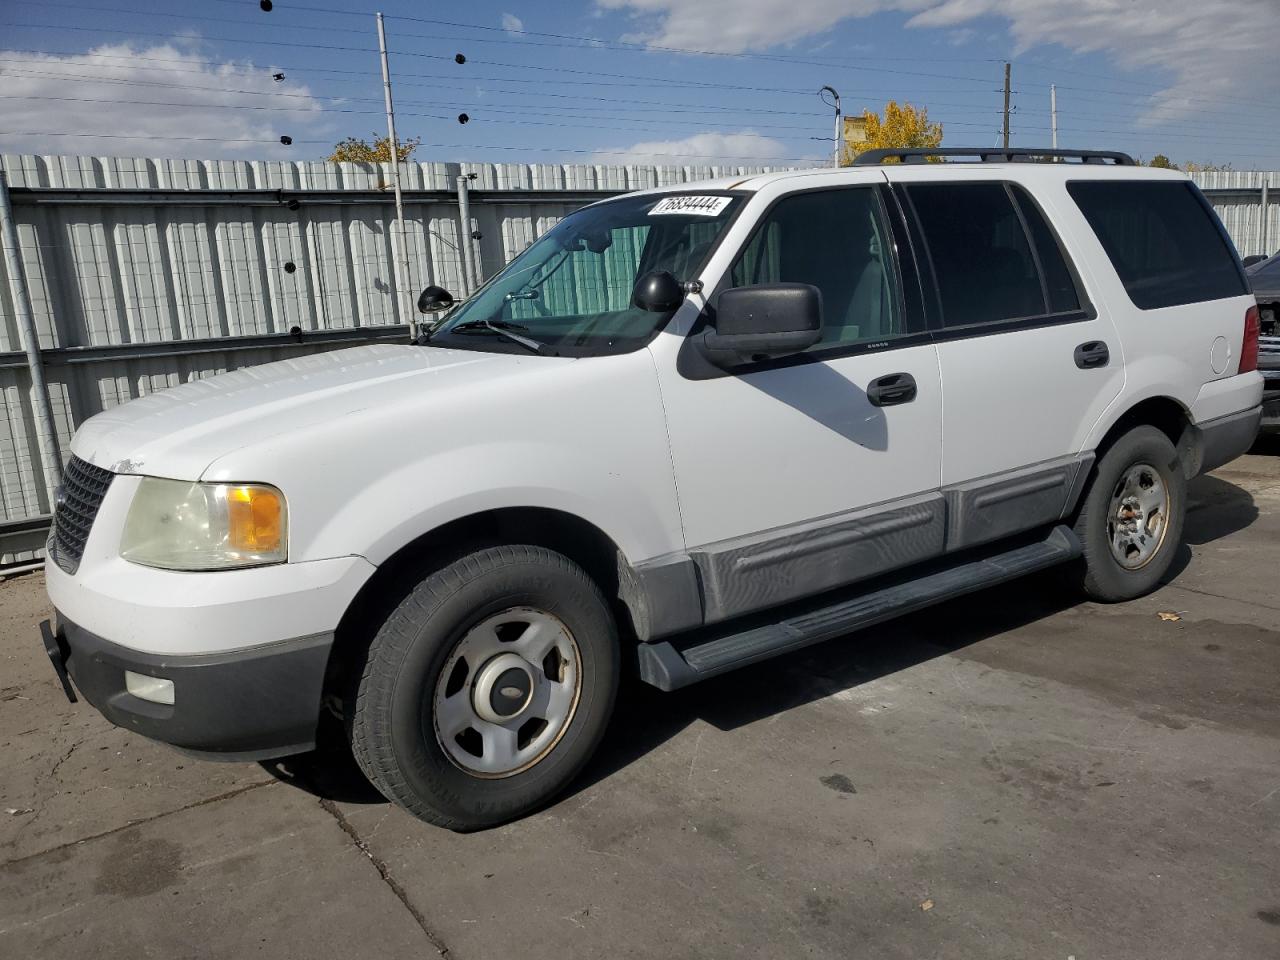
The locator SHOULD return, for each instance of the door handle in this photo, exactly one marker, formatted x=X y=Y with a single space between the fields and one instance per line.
x=1092 y=354
x=892 y=389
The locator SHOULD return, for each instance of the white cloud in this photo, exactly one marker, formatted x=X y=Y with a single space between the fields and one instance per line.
x=744 y=147
x=511 y=23
x=1203 y=49
x=113 y=94
x=732 y=26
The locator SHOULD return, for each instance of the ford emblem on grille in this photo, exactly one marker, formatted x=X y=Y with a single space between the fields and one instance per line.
x=59 y=497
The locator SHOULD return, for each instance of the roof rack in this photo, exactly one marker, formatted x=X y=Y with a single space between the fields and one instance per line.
x=993 y=155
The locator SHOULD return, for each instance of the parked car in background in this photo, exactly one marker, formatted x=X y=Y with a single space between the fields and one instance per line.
x=1264 y=277
x=687 y=429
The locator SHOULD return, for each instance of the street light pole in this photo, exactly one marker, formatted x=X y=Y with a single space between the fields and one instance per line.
x=839 y=134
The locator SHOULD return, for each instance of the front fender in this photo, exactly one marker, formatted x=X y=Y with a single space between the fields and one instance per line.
x=402 y=506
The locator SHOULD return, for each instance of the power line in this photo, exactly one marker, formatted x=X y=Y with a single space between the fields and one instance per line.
x=134 y=136
x=441 y=146
x=658 y=106
x=437 y=56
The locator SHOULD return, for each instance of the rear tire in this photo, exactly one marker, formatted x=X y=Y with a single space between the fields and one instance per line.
x=488 y=688
x=1130 y=523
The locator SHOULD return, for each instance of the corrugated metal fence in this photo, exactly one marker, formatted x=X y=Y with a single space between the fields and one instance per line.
x=143 y=274
x=1248 y=201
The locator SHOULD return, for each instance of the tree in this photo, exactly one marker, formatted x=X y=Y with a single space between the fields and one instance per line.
x=1163 y=162
x=901 y=126
x=1193 y=167
x=354 y=150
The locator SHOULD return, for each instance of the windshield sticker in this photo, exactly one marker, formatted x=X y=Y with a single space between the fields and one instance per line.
x=702 y=206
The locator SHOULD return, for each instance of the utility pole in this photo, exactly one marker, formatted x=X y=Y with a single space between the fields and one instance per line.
x=839 y=133
x=401 y=263
x=1053 y=112
x=1007 y=68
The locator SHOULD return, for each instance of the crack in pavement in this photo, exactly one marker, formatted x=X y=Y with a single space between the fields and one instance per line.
x=1218 y=596
x=133 y=823
x=385 y=873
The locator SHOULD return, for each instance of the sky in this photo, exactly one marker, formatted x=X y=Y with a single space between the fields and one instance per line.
x=634 y=81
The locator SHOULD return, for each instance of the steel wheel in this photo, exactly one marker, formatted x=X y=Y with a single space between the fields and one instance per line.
x=507 y=692
x=1138 y=516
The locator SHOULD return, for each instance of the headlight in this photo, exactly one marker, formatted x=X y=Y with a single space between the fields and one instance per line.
x=205 y=526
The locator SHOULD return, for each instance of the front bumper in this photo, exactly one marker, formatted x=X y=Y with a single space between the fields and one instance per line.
x=247 y=704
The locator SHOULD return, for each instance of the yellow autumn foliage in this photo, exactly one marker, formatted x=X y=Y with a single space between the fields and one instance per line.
x=901 y=126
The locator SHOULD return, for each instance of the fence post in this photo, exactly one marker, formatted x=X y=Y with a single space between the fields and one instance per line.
x=1266 y=198
x=46 y=432
x=471 y=276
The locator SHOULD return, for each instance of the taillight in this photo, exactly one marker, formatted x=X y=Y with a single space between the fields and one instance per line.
x=1249 y=349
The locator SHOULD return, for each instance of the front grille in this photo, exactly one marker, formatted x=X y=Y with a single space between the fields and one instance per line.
x=83 y=487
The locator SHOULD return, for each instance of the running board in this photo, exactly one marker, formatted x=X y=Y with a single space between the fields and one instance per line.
x=670 y=665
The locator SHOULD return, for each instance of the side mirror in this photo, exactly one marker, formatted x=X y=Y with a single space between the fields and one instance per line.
x=434 y=299
x=658 y=291
x=758 y=323
x=1250 y=260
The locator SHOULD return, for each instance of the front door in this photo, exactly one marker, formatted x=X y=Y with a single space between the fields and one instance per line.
x=799 y=474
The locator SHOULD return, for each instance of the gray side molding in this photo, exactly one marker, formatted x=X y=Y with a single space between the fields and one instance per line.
x=763 y=570
x=668 y=597
x=989 y=508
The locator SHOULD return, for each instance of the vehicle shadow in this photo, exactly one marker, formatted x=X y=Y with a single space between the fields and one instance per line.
x=646 y=718
x=1216 y=508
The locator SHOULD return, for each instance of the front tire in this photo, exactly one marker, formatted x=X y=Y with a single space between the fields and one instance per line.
x=488 y=688
x=1130 y=523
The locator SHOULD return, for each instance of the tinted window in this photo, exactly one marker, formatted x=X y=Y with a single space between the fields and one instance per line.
x=1163 y=242
x=981 y=258
x=1059 y=285
x=836 y=240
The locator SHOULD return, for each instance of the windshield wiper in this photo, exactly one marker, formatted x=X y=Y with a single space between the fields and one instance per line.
x=505 y=330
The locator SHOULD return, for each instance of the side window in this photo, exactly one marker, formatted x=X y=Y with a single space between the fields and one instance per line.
x=1163 y=242
x=1061 y=288
x=838 y=241
x=980 y=254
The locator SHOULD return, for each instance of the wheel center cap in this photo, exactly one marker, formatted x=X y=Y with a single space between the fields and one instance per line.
x=503 y=689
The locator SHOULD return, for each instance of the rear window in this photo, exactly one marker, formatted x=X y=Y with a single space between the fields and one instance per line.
x=1163 y=240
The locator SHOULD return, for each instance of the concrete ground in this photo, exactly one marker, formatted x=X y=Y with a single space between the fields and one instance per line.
x=1016 y=774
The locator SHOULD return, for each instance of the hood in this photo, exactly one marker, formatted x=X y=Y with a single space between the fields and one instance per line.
x=178 y=432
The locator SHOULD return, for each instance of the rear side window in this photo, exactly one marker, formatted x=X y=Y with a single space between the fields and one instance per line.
x=985 y=270
x=1059 y=286
x=1162 y=239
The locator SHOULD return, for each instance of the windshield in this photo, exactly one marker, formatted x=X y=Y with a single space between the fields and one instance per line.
x=571 y=289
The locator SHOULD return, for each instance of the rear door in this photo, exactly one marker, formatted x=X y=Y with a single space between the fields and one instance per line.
x=1028 y=364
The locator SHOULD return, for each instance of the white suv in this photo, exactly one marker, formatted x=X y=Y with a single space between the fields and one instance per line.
x=686 y=430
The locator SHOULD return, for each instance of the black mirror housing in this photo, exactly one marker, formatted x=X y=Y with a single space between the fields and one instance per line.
x=760 y=323
x=434 y=299
x=658 y=291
